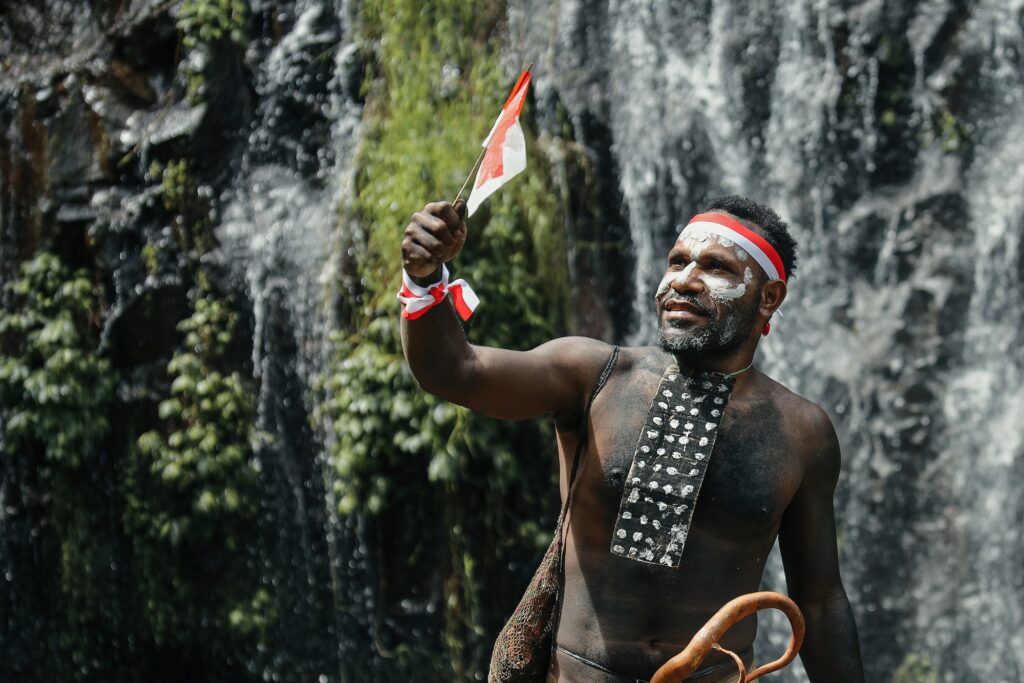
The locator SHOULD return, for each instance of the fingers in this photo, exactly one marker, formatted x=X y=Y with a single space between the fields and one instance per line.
x=448 y=213
x=426 y=239
x=417 y=259
x=416 y=254
x=453 y=236
x=434 y=227
x=453 y=219
x=421 y=236
x=434 y=236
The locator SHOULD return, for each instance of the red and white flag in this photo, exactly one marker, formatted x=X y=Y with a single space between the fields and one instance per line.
x=506 y=148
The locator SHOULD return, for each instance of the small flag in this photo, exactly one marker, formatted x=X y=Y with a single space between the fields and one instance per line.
x=505 y=155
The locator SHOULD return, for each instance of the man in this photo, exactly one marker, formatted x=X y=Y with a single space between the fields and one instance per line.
x=659 y=539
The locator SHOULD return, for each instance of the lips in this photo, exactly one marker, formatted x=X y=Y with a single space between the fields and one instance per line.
x=681 y=306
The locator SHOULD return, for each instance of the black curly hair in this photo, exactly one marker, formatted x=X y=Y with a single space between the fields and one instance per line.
x=776 y=230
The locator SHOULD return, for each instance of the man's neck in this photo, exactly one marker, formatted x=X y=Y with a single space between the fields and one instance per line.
x=733 y=362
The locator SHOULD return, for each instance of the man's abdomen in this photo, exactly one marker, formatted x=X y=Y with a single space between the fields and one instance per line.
x=632 y=616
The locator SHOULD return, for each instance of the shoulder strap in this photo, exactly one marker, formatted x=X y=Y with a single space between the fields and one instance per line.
x=581 y=444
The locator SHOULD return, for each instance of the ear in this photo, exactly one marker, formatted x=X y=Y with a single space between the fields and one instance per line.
x=772 y=295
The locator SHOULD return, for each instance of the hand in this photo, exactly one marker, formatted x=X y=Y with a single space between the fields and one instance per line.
x=434 y=236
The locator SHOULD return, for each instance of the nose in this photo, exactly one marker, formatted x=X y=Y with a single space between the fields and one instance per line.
x=686 y=281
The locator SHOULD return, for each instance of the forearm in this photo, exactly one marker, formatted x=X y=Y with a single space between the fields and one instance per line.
x=437 y=350
x=831 y=650
x=434 y=343
x=501 y=383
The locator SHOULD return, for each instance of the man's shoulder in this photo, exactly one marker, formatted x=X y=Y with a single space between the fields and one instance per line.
x=589 y=354
x=583 y=352
x=808 y=424
x=581 y=357
x=652 y=358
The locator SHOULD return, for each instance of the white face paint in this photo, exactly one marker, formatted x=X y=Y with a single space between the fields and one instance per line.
x=695 y=240
x=674 y=276
x=720 y=289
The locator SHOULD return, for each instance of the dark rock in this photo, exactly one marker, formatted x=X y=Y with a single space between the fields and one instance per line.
x=143 y=330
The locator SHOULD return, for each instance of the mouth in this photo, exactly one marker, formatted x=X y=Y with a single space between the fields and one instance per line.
x=680 y=309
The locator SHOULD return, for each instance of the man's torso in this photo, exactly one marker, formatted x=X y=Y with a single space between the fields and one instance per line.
x=632 y=616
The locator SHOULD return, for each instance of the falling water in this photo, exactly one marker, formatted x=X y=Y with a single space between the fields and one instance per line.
x=277 y=235
x=890 y=135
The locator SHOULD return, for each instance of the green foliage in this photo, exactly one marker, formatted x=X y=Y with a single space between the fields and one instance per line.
x=208 y=21
x=189 y=212
x=435 y=96
x=452 y=499
x=192 y=482
x=175 y=184
x=916 y=669
x=204 y=463
x=424 y=142
x=372 y=400
x=150 y=258
x=54 y=389
x=193 y=498
x=398 y=455
x=946 y=127
x=55 y=395
x=205 y=24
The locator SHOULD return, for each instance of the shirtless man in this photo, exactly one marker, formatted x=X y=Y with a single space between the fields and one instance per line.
x=771 y=472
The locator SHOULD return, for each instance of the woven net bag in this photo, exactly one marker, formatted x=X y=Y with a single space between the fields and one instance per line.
x=523 y=649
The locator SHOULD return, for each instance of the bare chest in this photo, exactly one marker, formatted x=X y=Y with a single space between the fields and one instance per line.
x=750 y=478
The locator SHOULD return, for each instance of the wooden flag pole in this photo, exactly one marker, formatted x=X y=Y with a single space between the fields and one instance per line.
x=479 y=159
x=470 y=176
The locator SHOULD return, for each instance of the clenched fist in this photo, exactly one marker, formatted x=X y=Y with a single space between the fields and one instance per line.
x=434 y=236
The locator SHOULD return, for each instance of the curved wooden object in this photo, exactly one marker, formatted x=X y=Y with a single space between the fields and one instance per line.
x=687 y=661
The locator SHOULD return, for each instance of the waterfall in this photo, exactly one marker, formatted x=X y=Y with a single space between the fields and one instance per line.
x=277 y=236
x=889 y=134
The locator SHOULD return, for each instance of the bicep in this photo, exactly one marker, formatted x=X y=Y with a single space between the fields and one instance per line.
x=516 y=385
x=807 y=537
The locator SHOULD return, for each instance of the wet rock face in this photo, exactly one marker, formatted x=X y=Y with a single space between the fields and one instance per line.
x=73 y=96
x=89 y=102
x=889 y=134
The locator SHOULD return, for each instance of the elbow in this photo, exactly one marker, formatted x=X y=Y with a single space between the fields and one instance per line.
x=434 y=386
x=449 y=384
x=430 y=383
x=823 y=602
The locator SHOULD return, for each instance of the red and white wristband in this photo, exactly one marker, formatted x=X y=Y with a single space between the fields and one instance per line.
x=417 y=300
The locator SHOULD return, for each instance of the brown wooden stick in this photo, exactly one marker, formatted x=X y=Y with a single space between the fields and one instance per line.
x=471 y=171
x=734 y=611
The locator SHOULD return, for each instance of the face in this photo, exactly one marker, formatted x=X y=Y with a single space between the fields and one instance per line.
x=708 y=300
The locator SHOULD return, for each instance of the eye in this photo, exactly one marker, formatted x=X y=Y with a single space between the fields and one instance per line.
x=717 y=265
x=677 y=262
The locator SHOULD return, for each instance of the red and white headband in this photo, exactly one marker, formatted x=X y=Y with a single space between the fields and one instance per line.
x=755 y=245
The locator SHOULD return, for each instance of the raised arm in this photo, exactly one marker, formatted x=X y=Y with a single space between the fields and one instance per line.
x=552 y=378
x=807 y=539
